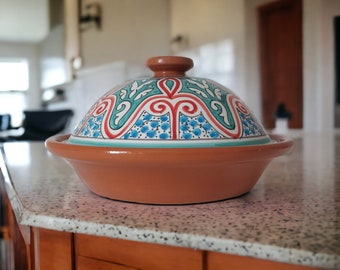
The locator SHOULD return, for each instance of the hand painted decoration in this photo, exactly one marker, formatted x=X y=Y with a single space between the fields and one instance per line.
x=171 y=111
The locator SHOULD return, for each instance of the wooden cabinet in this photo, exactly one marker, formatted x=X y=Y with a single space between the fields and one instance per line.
x=94 y=252
x=49 y=250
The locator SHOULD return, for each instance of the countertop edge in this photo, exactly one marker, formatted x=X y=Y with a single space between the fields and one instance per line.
x=16 y=204
x=184 y=240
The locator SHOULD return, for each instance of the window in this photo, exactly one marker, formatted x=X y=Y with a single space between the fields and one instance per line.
x=14 y=75
x=14 y=82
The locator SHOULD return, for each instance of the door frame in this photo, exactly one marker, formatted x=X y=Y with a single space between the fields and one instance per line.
x=262 y=13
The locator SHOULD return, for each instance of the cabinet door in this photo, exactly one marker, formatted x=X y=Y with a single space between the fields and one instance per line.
x=138 y=255
x=52 y=249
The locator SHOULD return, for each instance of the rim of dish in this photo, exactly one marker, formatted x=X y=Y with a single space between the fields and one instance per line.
x=259 y=140
x=276 y=140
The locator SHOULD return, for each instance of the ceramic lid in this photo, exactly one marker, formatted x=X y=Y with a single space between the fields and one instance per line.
x=169 y=110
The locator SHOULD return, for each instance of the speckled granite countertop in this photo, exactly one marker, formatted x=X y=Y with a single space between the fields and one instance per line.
x=292 y=214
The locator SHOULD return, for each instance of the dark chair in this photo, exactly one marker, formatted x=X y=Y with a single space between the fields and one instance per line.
x=39 y=125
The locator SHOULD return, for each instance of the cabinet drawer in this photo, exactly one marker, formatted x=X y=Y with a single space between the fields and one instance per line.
x=138 y=255
x=90 y=264
x=220 y=261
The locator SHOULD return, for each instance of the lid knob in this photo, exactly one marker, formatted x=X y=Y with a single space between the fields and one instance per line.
x=169 y=66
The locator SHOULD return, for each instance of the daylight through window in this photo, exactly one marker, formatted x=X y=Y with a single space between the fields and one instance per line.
x=14 y=75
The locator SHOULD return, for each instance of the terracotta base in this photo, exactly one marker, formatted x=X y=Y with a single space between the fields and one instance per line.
x=170 y=175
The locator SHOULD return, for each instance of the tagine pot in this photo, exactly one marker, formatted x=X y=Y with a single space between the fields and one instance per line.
x=169 y=139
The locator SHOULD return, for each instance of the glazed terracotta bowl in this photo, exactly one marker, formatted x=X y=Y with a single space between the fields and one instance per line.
x=169 y=175
x=169 y=139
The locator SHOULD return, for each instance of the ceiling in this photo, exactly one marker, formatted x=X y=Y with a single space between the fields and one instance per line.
x=23 y=20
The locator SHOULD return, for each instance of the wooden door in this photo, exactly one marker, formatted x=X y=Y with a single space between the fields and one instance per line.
x=280 y=36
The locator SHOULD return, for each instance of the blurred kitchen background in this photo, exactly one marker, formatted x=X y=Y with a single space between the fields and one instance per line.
x=65 y=54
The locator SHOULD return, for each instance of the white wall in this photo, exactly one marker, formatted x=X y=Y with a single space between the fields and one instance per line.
x=206 y=21
x=131 y=31
x=23 y=21
x=319 y=81
x=214 y=33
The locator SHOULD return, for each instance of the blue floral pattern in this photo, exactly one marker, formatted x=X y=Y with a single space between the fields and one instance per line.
x=169 y=109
